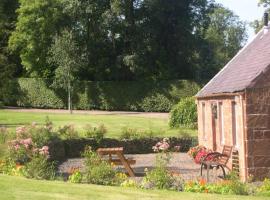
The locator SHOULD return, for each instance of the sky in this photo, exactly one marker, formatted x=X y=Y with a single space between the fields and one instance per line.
x=247 y=10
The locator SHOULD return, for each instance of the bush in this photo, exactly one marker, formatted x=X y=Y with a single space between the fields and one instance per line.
x=108 y=95
x=75 y=177
x=68 y=132
x=3 y=135
x=232 y=186
x=97 y=133
x=157 y=102
x=264 y=189
x=40 y=168
x=128 y=133
x=98 y=171
x=184 y=114
x=133 y=133
x=159 y=177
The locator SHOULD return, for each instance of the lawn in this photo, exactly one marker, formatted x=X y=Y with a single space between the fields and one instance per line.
x=113 y=123
x=20 y=188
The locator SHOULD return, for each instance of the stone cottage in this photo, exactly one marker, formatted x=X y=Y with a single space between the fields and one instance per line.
x=234 y=108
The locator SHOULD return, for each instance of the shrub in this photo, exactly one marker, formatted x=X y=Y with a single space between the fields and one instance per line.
x=184 y=114
x=98 y=171
x=133 y=133
x=128 y=133
x=40 y=135
x=97 y=133
x=264 y=189
x=157 y=102
x=75 y=177
x=233 y=187
x=40 y=168
x=3 y=135
x=107 y=95
x=68 y=132
x=158 y=178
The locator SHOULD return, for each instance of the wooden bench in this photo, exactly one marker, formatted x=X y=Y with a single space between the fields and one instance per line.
x=120 y=160
x=218 y=160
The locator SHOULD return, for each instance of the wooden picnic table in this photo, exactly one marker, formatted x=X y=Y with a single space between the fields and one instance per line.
x=119 y=152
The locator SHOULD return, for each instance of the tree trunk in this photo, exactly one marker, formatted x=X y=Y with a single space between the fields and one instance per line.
x=69 y=99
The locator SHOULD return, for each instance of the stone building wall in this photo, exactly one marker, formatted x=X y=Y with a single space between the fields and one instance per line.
x=207 y=139
x=258 y=132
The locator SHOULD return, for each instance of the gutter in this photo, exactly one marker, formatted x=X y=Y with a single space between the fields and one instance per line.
x=229 y=94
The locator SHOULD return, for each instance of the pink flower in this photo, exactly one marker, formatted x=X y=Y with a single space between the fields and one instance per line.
x=16 y=147
x=44 y=150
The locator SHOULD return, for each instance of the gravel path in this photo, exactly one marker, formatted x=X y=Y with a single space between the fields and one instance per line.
x=93 y=112
x=180 y=163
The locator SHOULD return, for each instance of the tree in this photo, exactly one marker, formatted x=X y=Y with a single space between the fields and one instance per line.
x=37 y=23
x=223 y=38
x=64 y=55
x=265 y=3
x=9 y=63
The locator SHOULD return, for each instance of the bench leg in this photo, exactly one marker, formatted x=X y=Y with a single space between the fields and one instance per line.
x=126 y=165
x=223 y=170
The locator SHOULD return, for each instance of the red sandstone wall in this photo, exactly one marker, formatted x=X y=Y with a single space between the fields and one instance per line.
x=227 y=126
x=258 y=132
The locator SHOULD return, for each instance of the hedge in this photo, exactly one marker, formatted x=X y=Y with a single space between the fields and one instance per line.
x=150 y=96
x=61 y=150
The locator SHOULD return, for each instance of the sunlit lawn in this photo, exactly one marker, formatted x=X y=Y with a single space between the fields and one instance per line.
x=113 y=123
x=24 y=189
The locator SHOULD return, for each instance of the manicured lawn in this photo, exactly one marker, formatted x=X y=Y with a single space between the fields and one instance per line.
x=21 y=188
x=114 y=123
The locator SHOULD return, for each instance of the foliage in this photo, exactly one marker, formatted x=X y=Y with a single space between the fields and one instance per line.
x=75 y=177
x=159 y=177
x=229 y=186
x=128 y=40
x=157 y=102
x=64 y=54
x=40 y=135
x=128 y=133
x=16 y=187
x=40 y=168
x=222 y=39
x=104 y=95
x=264 y=189
x=38 y=21
x=97 y=133
x=184 y=113
x=98 y=171
x=129 y=183
x=68 y=132
x=3 y=135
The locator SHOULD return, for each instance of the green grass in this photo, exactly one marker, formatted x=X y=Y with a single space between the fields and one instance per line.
x=20 y=188
x=114 y=123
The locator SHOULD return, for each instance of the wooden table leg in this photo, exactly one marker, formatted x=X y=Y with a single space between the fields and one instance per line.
x=126 y=165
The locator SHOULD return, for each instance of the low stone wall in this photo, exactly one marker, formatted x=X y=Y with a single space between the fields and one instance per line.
x=61 y=150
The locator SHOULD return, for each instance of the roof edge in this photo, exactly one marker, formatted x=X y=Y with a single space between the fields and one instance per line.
x=238 y=53
x=225 y=94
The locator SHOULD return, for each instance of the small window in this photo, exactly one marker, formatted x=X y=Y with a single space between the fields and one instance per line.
x=234 y=124
x=220 y=122
x=203 y=120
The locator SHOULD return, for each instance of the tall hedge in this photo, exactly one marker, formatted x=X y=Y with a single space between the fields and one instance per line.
x=127 y=96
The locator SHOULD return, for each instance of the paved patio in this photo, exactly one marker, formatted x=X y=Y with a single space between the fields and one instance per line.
x=180 y=163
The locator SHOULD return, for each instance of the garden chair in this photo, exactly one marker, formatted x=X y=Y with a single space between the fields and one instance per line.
x=217 y=160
